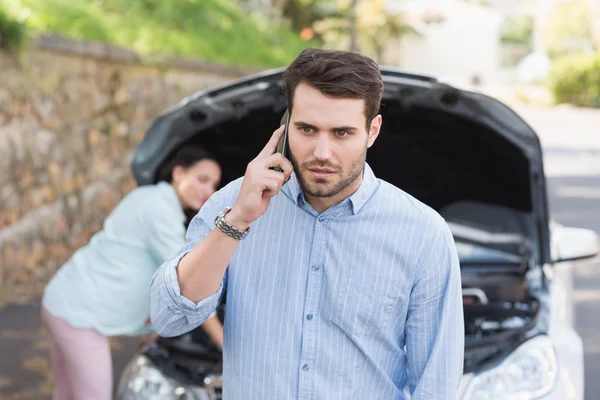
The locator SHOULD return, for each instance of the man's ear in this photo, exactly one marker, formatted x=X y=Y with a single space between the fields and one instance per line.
x=374 y=130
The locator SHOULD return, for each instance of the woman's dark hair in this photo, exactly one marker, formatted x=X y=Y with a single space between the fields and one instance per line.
x=185 y=157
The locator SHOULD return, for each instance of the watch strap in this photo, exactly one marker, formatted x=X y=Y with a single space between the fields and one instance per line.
x=229 y=229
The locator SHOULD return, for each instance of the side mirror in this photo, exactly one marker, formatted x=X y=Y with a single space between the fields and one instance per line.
x=576 y=244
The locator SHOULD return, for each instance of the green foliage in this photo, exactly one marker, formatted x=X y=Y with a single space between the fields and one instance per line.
x=305 y=13
x=214 y=30
x=518 y=30
x=575 y=79
x=569 y=28
x=13 y=33
x=478 y=2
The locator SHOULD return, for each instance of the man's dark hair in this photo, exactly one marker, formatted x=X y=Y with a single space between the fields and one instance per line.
x=339 y=74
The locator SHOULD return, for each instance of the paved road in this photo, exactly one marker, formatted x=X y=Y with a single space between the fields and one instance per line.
x=573 y=169
x=24 y=369
x=575 y=201
x=571 y=141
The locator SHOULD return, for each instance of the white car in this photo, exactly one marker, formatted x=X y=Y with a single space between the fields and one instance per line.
x=466 y=155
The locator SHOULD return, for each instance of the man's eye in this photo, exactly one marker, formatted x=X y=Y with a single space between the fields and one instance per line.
x=341 y=133
x=305 y=129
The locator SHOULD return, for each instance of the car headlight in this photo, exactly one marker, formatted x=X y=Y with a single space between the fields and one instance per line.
x=142 y=380
x=527 y=373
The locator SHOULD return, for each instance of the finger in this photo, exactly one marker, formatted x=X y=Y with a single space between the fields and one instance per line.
x=286 y=166
x=272 y=186
x=275 y=175
x=272 y=183
x=271 y=145
x=287 y=170
x=276 y=160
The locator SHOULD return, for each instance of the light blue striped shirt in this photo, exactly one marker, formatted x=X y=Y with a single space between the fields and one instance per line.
x=358 y=302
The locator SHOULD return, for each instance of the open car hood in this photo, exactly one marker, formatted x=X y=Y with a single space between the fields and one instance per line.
x=466 y=155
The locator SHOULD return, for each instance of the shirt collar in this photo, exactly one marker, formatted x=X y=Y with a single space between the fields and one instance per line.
x=358 y=199
x=292 y=189
x=367 y=189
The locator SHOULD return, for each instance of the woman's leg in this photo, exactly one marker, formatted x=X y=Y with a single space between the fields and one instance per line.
x=62 y=390
x=87 y=360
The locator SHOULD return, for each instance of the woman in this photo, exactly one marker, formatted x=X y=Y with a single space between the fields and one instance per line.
x=102 y=290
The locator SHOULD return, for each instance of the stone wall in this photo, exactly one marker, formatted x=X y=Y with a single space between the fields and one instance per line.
x=70 y=115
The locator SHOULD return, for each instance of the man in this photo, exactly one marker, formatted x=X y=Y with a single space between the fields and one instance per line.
x=345 y=287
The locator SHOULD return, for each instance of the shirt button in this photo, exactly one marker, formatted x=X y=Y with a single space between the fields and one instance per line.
x=305 y=367
x=321 y=218
x=309 y=317
x=315 y=267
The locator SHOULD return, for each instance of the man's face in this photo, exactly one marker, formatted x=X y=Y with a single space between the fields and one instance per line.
x=328 y=143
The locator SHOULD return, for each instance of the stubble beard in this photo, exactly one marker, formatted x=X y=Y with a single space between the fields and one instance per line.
x=321 y=187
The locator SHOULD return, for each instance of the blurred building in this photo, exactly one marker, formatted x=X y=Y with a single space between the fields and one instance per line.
x=458 y=40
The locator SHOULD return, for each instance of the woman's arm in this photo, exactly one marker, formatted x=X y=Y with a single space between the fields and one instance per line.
x=214 y=329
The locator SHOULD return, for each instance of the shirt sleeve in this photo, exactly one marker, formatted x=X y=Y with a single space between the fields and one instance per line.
x=171 y=313
x=435 y=324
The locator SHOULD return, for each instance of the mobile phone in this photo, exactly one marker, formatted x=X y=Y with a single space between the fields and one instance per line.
x=282 y=145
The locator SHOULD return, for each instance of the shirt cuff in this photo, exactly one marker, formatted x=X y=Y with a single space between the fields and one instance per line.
x=196 y=313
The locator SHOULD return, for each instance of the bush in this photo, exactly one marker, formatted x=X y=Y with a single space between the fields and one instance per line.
x=575 y=79
x=569 y=28
x=517 y=30
x=13 y=33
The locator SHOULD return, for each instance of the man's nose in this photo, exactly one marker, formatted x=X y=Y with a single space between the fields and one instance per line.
x=323 y=147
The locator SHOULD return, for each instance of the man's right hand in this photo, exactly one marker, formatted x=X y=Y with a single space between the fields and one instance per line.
x=200 y=272
x=260 y=183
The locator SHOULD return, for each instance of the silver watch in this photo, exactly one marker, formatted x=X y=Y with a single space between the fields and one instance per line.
x=229 y=229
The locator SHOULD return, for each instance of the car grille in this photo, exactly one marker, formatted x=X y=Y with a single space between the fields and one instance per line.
x=216 y=394
x=214 y=387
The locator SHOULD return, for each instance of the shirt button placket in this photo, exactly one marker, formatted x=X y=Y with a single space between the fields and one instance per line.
x=311 y=307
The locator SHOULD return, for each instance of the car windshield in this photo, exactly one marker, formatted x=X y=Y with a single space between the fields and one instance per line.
x=472 y=253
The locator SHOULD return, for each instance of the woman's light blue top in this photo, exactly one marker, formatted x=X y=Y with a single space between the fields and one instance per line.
x=104 y=286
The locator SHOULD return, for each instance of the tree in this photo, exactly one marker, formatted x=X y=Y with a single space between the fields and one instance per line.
x=518 y=30
x=569 y=28
x=305 y=13
x=595 y=21
x=353 y=26
x=377 y=26
x=13 y=32
x=365 y=25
